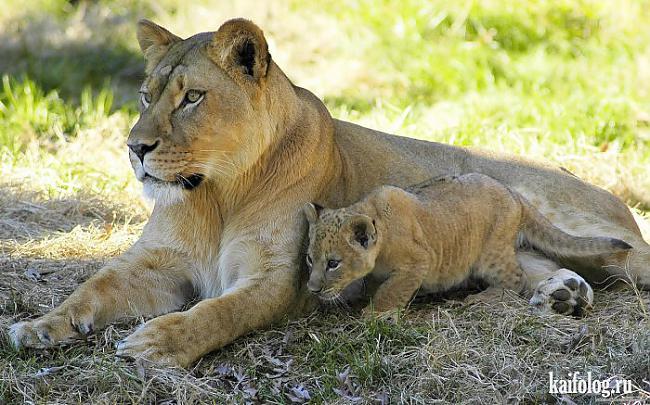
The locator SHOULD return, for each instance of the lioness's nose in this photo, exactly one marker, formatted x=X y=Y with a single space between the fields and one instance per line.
x=141 y=149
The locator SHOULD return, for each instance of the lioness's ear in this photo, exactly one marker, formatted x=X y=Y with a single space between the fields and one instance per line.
x=312 y=211
x=154 y=41
x=240 y=48
x=362 y=230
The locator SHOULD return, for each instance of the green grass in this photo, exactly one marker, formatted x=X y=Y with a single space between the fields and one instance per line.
x=567 y=69
x=564 y=81
x=29 y=114
x=552 y=80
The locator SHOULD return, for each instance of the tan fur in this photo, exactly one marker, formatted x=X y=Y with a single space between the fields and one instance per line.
x=264 y=147
x=432 y=239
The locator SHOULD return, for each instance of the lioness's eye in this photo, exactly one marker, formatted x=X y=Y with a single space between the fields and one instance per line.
x=309 y=261
x=145 y=98
x=333 y=264
x=193 y=96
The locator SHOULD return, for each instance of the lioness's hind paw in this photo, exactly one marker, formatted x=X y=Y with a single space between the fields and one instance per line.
x=565 y=293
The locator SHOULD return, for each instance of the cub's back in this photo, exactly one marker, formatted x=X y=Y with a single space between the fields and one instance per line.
x=457 y=214
x=453 y=213
x=445 y=224
x=472 y=193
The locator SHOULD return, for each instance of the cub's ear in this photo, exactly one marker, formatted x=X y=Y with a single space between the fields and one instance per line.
x=362 y=231
x=240 y=48
x=312 y=211
x=154 y=42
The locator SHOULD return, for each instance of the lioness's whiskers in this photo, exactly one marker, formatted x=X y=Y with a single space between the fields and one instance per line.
x=183 y=178
x=220 y=161
x=219 y=168
x=216 y=166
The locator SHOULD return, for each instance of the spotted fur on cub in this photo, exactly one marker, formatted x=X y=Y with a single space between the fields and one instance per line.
x=435 y=236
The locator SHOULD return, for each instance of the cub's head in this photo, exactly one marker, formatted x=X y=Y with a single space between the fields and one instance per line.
x=203 y=107
x=342 y=249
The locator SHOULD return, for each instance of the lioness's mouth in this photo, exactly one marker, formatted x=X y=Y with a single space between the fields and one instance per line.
x=187 y=182
x=190 y=182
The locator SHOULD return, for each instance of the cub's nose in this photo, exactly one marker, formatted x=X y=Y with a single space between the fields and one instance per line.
x=141 y=149
x=314 y=289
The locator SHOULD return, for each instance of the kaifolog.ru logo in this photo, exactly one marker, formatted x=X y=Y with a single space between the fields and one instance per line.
x=576 y=384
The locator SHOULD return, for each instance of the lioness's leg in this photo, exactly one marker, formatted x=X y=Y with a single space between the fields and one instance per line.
x=180 y=338
x=140 y=282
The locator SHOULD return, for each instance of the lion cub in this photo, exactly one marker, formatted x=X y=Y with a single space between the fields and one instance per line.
x=433 y=237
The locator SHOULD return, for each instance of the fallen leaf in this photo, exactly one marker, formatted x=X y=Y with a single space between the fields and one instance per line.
x=33 y=274
x=45 y=371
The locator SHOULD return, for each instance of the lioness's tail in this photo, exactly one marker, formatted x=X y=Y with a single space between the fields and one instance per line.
x=548 y=238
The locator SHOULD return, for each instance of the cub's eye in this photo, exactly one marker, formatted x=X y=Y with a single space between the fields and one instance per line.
x=145 y=98
x=193 y=96
x=333 y=264
x=309 y=261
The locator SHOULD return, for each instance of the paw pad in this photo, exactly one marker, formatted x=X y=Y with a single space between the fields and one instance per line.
x=561 y=295
x=572 y=283
x=561 y=307
x=565 y=293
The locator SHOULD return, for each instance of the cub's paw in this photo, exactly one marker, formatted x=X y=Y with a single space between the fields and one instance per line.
x=565 y=293
x=165 y=341
x=51 y=330
x=390 y=315
x=488 y=296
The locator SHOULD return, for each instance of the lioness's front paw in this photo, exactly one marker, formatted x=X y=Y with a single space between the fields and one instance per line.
x=52 y=329
x=566 y=293
x=164 y=340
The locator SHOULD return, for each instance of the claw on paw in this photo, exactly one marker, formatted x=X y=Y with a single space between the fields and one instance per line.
x=47 y=331
x=160 y=341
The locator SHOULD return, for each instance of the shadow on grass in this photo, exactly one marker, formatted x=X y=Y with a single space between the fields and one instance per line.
x=82 y=47
x=23 y=296
x=71 y=67
x=48 y=247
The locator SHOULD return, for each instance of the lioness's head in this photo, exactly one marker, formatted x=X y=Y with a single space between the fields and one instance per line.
x=342 y=248
x=204 y=109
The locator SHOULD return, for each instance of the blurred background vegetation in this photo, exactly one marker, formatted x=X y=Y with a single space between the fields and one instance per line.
x=566 y=81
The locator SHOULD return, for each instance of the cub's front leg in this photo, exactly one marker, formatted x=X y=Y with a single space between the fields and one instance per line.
x=397 y=290
x=141 y=281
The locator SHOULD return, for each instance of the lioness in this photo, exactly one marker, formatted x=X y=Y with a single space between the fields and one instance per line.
x=434 y=237
x=230 y=150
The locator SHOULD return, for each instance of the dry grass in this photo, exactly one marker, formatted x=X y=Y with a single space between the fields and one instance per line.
x=442 y=350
